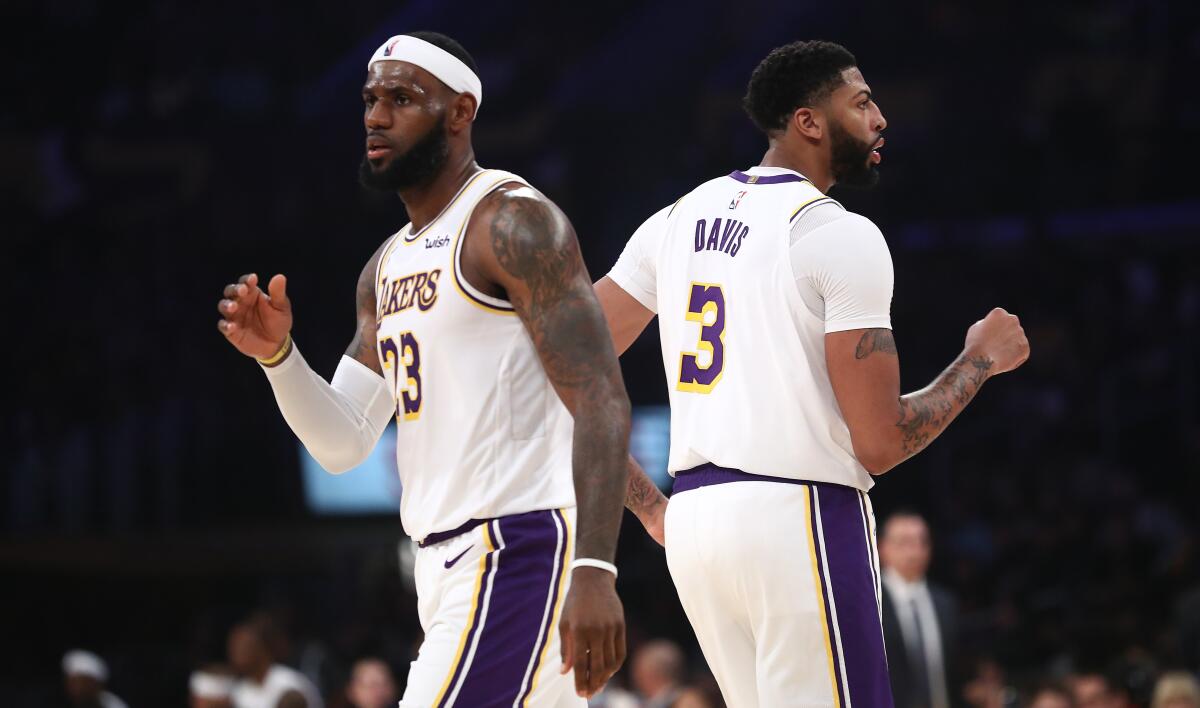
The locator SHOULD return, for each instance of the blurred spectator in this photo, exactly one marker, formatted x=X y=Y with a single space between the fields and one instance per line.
x=1051 y=696
x=612 y=696
x=86 y=675
x=1176 y=689
x=264 y=683
x=919 y=619
x=1092 y=690
x=988 y=688
x=693 y=697
x=372 y=685
x=211 y=687
x=657 y=672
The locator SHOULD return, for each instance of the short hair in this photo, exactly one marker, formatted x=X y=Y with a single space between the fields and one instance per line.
x=793 y=76
x=444 y=43
x=902 y=513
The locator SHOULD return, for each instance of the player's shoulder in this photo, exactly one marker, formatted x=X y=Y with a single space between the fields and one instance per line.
x=517 y=218
x=838 y=223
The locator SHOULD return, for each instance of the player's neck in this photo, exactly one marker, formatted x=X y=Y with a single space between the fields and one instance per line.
x=813 y=166
x=425 y=202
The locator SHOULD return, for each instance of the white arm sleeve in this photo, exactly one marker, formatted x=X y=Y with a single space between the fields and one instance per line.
x=339 y=422
x=844 y=272
x=635 y=271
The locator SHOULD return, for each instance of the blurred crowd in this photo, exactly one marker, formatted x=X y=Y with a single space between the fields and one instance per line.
x=262 y=666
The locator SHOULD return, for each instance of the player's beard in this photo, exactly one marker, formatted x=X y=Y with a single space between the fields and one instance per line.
x=851 y=159
x=417 y=166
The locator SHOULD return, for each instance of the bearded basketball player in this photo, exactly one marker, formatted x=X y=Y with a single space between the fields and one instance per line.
x=775 y=324
x=478 y=329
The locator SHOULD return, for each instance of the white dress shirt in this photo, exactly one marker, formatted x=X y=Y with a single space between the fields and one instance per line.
x=913 y=601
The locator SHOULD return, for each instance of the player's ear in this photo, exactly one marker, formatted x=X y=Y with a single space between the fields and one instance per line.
x=461 y=113
x=808 y=123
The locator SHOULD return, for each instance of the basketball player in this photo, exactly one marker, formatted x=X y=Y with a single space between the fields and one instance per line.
x=479 y=330
x=774 y=307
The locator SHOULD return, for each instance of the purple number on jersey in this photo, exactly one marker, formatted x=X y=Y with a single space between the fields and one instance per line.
x=694 y=376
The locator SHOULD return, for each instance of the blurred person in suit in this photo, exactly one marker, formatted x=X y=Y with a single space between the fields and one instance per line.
x=657 y=673
x=1176 y=689
x=372 y=685
x=919 y=618
x=85 y=675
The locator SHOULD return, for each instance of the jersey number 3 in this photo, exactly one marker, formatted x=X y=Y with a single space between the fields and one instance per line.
x=408 y=355
x=706 y=305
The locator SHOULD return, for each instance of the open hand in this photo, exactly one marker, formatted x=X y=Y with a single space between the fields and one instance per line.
x=255 y=323
x=592 y=630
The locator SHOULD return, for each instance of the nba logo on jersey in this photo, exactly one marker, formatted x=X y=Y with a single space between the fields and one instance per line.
x=737 y=199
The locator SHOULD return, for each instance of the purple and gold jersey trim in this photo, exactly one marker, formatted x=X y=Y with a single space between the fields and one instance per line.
x=473 y=296
x=410 y=237
x=820 y=199
x=765 y=179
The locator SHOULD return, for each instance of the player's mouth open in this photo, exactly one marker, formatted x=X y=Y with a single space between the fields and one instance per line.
x=876 y=158
x=377 y=148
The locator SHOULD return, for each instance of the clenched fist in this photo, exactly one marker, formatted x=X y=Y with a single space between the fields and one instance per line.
x=1000 y=338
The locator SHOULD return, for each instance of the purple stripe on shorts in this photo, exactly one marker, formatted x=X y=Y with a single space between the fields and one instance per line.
x=765 y=179
x=511 y=635
x=489 y=561
x=553 y=608
x=853 y=583
x=820 y=554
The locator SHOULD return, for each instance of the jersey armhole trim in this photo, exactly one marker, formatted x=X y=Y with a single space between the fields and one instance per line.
x=803 y=208
x=472 y=294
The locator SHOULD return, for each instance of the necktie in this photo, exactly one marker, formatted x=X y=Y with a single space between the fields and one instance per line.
x=916 y=659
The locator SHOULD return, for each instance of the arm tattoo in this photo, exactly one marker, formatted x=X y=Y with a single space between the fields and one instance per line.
x=925 y=413
x=534 y=244
x=362 y=348
x=875 y=340
x=641 y=495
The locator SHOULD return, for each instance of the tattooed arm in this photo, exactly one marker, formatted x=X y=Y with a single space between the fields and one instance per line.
x=534 y=256
x=362 y=347
x=887 y=428
x=646 y=502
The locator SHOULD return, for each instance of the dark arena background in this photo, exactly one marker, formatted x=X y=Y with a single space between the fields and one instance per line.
x=1040 y=157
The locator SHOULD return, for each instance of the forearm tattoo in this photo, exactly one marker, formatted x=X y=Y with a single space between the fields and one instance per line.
x=641 y=495
x=925 y=413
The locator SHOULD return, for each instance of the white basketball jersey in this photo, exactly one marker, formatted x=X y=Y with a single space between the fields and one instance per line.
x=480 y=431
x=742 y=341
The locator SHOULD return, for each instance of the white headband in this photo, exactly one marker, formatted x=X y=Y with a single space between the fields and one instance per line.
x=85 y=663
x=448 y=68
x=205 y=685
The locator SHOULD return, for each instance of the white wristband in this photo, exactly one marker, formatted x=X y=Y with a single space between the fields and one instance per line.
x=593 y=563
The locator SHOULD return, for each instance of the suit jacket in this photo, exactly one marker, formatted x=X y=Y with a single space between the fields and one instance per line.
x=900 y=671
